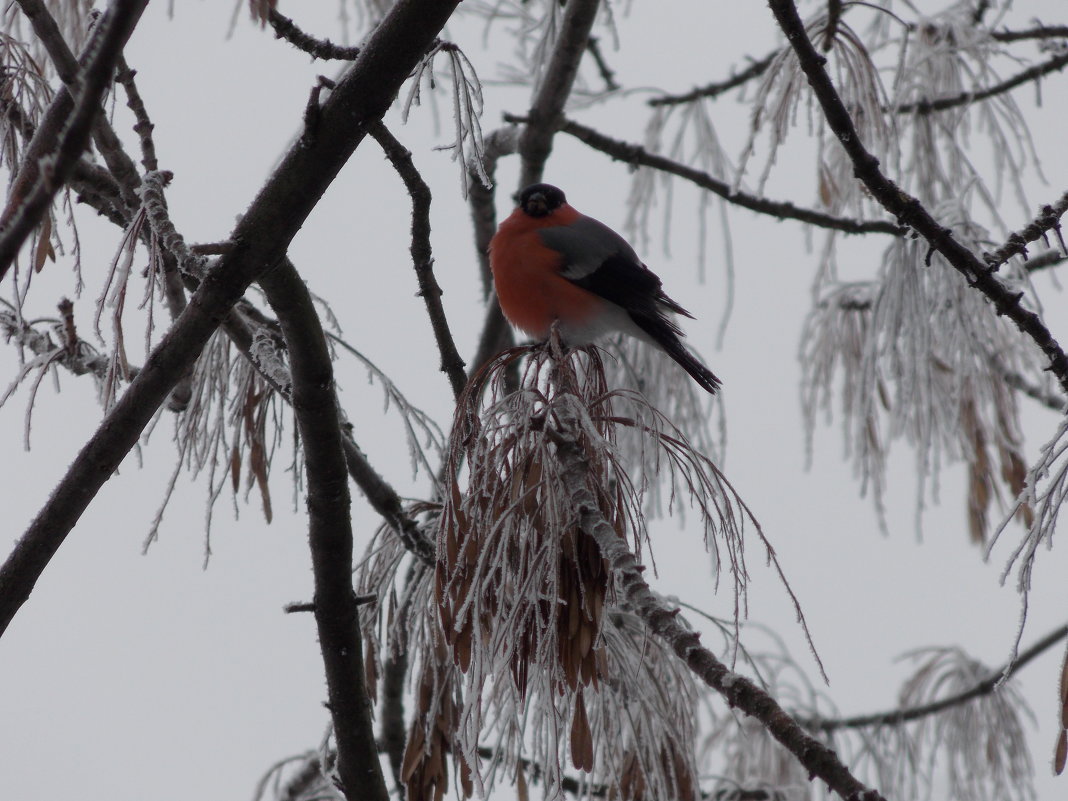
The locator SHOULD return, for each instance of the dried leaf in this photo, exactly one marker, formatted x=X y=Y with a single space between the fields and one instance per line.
x=235 y=468
x=1061 y=755
x=581 y=737
x=44 y=249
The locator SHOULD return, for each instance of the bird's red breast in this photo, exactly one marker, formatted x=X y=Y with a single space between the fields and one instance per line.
x=527 y=275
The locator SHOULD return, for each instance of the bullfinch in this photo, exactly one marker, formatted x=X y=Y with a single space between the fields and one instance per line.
x=552 y=264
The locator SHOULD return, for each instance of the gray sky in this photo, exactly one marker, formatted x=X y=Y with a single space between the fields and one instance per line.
x=131 y=677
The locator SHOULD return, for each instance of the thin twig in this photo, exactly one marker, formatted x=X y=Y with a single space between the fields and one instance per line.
x=908 y=210
x=754 y=70
x=593 y=47
x=639 y=156
x=966 y=98
x=984 y=687
x=285 y=28
x=143 y=126
x=422 y=255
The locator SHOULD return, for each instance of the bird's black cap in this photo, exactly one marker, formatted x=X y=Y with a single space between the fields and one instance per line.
x=540 y=200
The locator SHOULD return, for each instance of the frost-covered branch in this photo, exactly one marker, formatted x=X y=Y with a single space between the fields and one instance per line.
x=1048 y=219
x=666 y=623
x=908 y=210
x=1054 y=64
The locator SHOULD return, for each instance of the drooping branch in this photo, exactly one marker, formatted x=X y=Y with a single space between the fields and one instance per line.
x=739 y=692
x=908 y=210
x=64 y=139
x=985 y=687
x=1048 y=219
x=422 y=255
x=260 y=240
x=285 y=28
x=639 y=156
x=754 y=70
x=547 y=108
x=329 y=532
x=1054 y=64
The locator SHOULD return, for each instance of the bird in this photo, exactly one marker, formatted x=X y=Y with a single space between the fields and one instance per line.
x=552 y=264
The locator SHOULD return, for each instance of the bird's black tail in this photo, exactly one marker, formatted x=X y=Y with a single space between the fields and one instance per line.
x=704 y=377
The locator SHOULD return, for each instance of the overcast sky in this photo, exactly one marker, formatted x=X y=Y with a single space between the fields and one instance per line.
x=131 y=677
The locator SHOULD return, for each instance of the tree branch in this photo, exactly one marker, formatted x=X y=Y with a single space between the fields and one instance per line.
x=1048 y=219
x=143 y=126
x=906 y=208
x=58 y=145
x=754 y=70
x=965 y=98
x=422 y=256
x=1038 y=32
x=285 y=28
x=739 y=692
x=985 y=687
x=496 y=334
x=639 y=156
x=329 y=533
x=67 y=68
x=260 y=239
x=546 y=111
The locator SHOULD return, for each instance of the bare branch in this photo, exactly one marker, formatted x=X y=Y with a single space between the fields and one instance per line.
x=754 y=70
x=1038 y=32
x=261 y=238
x=422 y=259
x=547 y=108
x=329 y=532
x=143 y=127
x=906 y=208
x=638 y=155
x=285 y=28
x=607 y=74
x=985 y=687
x=51 y=160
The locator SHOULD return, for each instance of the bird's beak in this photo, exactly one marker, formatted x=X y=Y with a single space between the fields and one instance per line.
x=537 y=205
